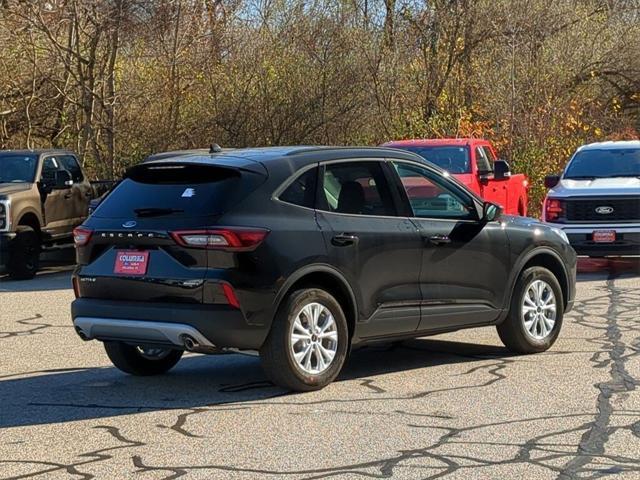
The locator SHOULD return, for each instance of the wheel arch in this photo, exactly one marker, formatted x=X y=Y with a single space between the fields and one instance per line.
x=29 y=219
x=549 y=259
x=330 y=280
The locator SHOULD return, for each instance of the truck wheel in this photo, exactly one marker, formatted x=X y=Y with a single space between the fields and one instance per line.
x=535 y=314
x=308 y=342
x=24 y=254
x=142 y=361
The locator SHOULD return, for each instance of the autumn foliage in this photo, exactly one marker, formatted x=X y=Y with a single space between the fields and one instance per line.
x=116 y=80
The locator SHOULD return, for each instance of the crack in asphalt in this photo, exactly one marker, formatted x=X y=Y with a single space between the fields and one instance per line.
x=597 y=434
x=93 y=456
x=549 y=450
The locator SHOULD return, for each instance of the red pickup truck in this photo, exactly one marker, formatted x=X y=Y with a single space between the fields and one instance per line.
x=474 y=163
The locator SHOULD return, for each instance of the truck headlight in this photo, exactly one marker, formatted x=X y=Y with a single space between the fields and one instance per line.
x=4 y=215
x=561 y=234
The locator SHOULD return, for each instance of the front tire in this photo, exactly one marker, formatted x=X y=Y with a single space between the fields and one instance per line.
x=308 y=342
x=24 y=254
x=140 y=361
x=536 y=312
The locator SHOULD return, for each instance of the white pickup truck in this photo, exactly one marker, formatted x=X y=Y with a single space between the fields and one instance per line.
x=596 y=200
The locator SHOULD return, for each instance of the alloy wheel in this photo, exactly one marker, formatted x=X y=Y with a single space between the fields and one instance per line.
x=314 y=338
x=539 y=309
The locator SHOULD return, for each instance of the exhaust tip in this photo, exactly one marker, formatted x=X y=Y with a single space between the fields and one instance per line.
x=82 y=335
x=190 y=343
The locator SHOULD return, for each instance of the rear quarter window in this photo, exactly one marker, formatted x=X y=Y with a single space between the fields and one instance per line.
x=183 y=191
x=302 y=191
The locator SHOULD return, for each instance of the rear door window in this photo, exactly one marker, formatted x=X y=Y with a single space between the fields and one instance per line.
x=178 y=190
x=358 y=188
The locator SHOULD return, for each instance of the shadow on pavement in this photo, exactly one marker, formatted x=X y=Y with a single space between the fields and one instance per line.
x=54 y=272
x=64 y=395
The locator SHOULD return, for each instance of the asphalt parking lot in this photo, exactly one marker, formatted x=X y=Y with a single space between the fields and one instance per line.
x=452 y=406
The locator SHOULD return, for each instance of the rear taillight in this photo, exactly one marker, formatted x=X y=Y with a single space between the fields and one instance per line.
x=234 y=239
x=553 y=209
x=81 y=236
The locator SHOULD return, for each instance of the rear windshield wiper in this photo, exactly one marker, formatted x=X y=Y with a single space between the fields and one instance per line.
x=581 y=177
x=624 y=175
x=155 y=212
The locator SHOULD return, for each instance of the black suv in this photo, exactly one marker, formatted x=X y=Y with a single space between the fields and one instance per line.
x=304 y=252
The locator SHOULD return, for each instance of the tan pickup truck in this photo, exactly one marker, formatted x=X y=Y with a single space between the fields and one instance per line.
x=44 y=194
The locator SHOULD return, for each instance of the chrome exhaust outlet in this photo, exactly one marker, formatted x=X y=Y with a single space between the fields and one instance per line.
x=190 y=343
x=82 y=335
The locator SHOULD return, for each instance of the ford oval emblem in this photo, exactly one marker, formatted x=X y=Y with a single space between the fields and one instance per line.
x=129 y=224
x=604 y=210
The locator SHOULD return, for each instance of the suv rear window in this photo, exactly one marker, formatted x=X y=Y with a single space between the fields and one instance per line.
x=178 y=190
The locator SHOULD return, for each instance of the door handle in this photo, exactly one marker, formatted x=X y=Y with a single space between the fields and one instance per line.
x=344 y=240
x=439 y=239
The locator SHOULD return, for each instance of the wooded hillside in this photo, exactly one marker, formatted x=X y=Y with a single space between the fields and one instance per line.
x=117 y=79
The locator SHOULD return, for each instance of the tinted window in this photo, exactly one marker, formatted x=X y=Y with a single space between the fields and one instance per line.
x=178 y=190
x=605 y=163
x=431 y=196
x=484 y=165
x=357 y=188
x=71 y=165
x=17 y=168
x=302 y=190
x=451 y=159
x=49 y=168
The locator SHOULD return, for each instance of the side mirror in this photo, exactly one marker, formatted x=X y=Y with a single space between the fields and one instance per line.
x=501 y=170
x=551 y=181
x=491 y=212
x=63 y=180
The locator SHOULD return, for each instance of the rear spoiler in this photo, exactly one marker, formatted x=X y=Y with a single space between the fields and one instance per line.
x=230 y=164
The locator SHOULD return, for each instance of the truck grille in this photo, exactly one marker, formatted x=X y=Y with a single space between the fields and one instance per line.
x=625 y=209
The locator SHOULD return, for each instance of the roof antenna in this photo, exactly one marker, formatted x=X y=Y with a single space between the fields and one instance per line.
x=215 y=148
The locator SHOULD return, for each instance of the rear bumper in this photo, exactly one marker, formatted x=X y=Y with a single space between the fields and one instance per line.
x=581 y=238
x=214 y=326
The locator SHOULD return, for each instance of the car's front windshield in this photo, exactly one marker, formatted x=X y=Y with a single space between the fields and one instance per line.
x=590 y=164
x=449 y=158
x=17 y=168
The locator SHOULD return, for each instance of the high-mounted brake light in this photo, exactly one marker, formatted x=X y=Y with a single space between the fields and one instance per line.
x=81 y=236
x=553 y=209
x=233 y=238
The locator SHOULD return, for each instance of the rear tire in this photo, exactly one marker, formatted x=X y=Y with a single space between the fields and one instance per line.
x=308 y=342
x=533 y=325
x=134 y=361
x=24 y=254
